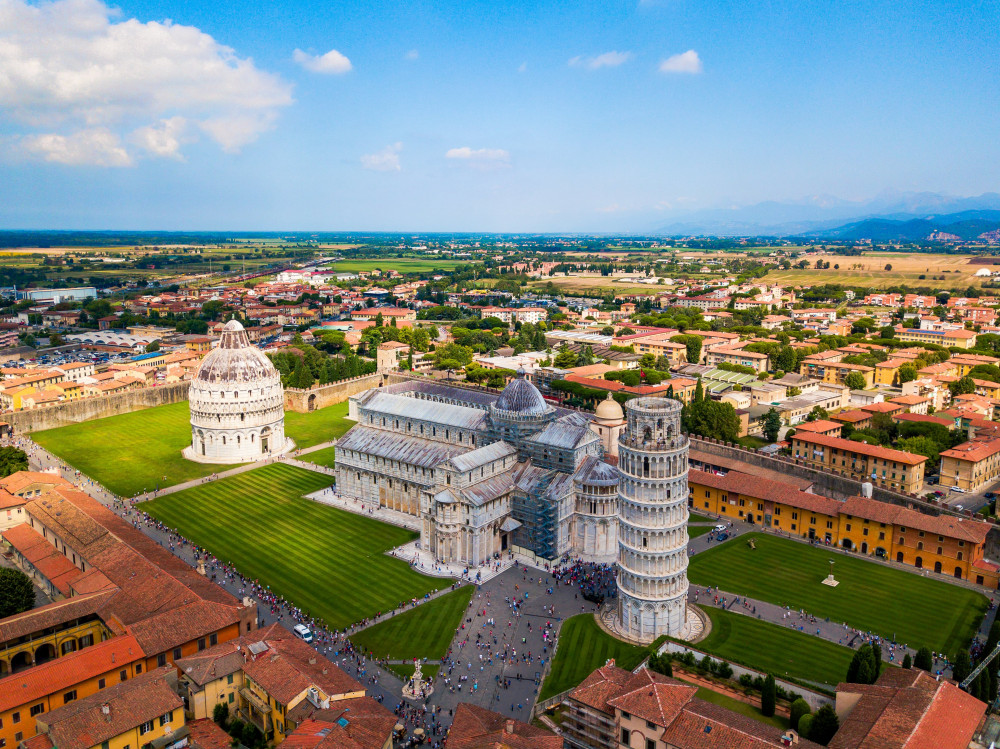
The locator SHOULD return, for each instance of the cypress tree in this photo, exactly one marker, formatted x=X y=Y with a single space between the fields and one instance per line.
x=876 y=661
x=907 y=661
x=824 y=726
x=768 y=697
x=924 y=660
x=961 y=666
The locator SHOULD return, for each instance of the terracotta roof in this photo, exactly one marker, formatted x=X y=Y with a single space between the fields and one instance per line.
x=289 y=666
x=51 y=615
x=910 y=709
x=476 y=727
x=973 y=451
x=602 y=685
x=205 y=733
x=862 y=448
x=51 y=564
x=703 y=725
x=18 y=482
x=851 y=417
x=226 y=657
x=9 y=501
x=83 y=724
x=62 y=673
x=360 y=723
x=820 y=425
x=882 y=408
x=924 y=418
x=964 y=529
x=749 y=485
x=653 y=697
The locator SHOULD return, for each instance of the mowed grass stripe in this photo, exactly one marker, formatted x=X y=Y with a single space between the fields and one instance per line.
x=781 y=651
x=326 y=561
x=423 y=632
x=912 y=609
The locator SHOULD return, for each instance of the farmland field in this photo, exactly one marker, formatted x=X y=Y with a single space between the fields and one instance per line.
x=401 y=264
x=138 y=451
x=329 y=562
x=871 y=596
x=869 y=270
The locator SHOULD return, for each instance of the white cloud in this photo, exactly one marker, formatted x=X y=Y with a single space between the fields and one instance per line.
x=480 y=158
x=93 y=147
x=163 y=139
x=332 y=63
x=686 y=62
x=386 y=160
x=413 y=54
x=606 y=60
x=72 y=73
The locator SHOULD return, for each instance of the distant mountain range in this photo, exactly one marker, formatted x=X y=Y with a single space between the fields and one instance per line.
x=906 y=216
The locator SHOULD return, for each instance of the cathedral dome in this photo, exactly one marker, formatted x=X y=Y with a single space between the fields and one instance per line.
x=235 y=360
x=522 y=397
x=609 y=410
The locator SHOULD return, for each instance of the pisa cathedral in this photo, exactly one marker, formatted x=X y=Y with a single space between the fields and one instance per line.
x=485 y=473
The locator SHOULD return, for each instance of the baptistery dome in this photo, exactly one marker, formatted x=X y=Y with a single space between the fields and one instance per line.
x=237 y=403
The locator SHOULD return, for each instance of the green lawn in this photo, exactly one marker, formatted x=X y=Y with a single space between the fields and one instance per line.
x=401 y=264
x=918 y=611
x=698 y=530
x=129 y=453
x=704 y=693
x=694 y=517
x=423 y=632
x=781 y=651
x=312 y=428
x=582 y=647
x=752 y=442
x=322 y=457
x=327 y=561
x=405 y=670
x=133 y=452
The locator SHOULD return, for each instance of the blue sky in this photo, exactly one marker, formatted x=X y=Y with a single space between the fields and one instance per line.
x=568 y=116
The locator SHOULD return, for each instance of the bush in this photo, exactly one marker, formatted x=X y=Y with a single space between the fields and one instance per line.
x=799 y=708
x=824 y=725
x=220 y=714
x=805 y=725
x=746 y=681
x=924 y=660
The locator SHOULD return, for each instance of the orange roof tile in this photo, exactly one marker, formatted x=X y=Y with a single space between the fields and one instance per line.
x=861 y=448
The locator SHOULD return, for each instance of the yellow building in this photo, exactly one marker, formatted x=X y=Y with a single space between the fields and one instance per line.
x=965 y=362
x=80 y=674
x=887 y=372
x=836 y=372
x=128 y=715
x=894 y=469
x=958 y=338
x=945 y=544
x=971 y=465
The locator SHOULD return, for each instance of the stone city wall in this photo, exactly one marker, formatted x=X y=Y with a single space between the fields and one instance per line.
x=321 y=396
x=85 y=409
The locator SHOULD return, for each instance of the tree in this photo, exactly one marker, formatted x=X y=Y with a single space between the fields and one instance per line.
x=888 y=266
x=12 y=460
x=924 y=660
x=608 y=330
x=824 y=725
x=907 y=373
x=805 y=725
x=699 y=392
x=220 y=714
x=152 y=347
x=713 y=419
x=855 y=381
x=818 y=412
x=565 y=359
x=961 y=666
x=17 y=594
x=452 y=352
x=962 y=386
x=907 y=661
x=771 y=423
x=768 y=697
x=798 y=708
x=661 y=664
x=693 y=345
x=887 y=331
x=861 y=657
x=786 y=360
x=922 y=446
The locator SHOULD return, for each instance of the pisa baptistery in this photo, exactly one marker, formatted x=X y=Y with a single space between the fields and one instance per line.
x=237 y=403
x=652 y=521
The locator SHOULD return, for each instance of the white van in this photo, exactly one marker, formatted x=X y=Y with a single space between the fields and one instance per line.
x=303 y=632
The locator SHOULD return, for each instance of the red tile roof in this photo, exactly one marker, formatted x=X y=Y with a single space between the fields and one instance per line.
x=205 y=733
x=476 y=727
x=748 y=485
x=973 y=451
x=964 y=529
x=862 y=448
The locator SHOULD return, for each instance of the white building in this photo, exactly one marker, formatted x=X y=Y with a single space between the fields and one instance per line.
x=237 y=403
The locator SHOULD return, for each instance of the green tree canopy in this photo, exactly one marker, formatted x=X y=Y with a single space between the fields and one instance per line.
x=713 y=419
x=17 y=593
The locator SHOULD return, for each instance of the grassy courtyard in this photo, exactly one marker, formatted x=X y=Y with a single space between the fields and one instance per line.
x=323 y=457
x=327 y=561
x=918 y=611
x=583 y=647
x=130 y=453
x=422 y=632
x=781 y=651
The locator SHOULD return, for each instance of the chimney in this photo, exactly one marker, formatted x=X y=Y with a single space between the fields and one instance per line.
x=106 y=711
x=312 y=660
x=510 y=725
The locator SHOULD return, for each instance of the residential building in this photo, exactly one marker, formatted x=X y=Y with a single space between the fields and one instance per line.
x=960 y=338
x=893 y=469
x=475 y=727
x=972 y=465
x=757 y=362
x=835 y=372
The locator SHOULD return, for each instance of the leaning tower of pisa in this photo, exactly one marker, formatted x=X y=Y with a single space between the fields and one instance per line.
x=652 y=521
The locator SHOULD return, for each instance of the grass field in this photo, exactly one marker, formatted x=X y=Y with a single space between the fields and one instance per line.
x=704 y=693
x=321 y=457
x=422 y=632
x=781 y=651
x=908 y=608
x=317 y=426
x=694 y=517
x=401 y=264
x=405 y=670
x=132 y=452
x=327 y=561
x=698 y=530
x=583 y=646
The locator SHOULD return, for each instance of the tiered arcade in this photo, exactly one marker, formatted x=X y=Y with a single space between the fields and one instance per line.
x=652 y=520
